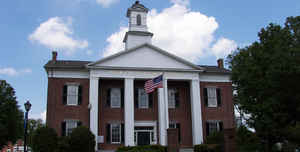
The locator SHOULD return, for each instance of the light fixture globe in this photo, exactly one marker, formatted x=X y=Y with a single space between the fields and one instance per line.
x=27 y=106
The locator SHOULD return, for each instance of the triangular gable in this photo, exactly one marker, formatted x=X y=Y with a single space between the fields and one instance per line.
x=145 y=56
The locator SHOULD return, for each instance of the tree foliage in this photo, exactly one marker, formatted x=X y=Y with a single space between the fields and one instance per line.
x=82 y=139
x=11 y=117
x=33 y=124
x=266 y=76
x=44 y=140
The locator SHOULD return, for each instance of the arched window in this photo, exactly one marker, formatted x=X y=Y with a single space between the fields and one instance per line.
x=138 y=19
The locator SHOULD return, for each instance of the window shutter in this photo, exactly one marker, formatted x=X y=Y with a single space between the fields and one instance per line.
x=122 y=97
x=122 y=133
x=151 y=100
x=63 y=129
x=207 y=128
x=107 y=133
x=205 y=96
x=79 y=95
x=219 y=96
x=220 y=126
x=108 y=97
x=179 y=133
x=136 y=96
x=79 y=123
x=65 y=94
x=177 y=98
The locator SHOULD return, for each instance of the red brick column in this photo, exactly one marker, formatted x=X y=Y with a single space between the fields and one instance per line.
x=229 y=140
x=173 y=145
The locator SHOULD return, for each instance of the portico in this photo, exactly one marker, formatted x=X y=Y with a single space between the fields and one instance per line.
x=163 y=121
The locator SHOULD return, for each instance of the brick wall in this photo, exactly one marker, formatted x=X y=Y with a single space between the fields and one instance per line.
x=57 y=112
x=225 y=112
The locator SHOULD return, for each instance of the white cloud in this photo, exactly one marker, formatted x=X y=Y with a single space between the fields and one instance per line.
x=13 y=72
x=115 y=42
x=223 y=47
x=106 y=3
x=180 y=31
x=56 y=33
x=41 y=115
x=181 y=2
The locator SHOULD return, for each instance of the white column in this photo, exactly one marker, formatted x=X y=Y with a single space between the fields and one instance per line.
x=196 y=112
x=166 y=103
x=94 y=85
x=161 y=117
x=129 y=112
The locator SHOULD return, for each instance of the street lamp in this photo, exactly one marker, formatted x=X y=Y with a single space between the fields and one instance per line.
x=27 y=106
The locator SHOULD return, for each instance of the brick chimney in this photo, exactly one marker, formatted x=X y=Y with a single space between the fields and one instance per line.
x=54 y=56
x=220 y=63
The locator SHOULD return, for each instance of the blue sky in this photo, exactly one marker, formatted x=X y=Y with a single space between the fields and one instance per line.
x=199 y=30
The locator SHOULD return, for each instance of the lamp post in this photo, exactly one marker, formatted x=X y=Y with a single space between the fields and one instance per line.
x=27 y=108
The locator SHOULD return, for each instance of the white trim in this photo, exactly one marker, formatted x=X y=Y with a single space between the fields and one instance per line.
x=177 y=58
x=68 y=74
x=147 y=124
x=214 y=78
x=143 y=74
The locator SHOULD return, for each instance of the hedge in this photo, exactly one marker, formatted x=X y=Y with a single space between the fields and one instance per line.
x=208 y=148
x=148 y=148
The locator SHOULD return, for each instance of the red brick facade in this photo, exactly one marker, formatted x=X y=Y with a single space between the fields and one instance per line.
x=57 y=112
x=225 y=112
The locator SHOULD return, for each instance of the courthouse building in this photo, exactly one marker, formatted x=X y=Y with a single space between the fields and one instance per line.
x=108 y=95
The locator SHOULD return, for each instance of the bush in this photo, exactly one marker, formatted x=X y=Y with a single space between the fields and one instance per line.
x=148 y=148
x=62 y=144
x=82 y=140
x=207 y=148
x=44 y=140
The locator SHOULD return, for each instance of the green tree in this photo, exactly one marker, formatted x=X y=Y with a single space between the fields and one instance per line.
x=11 y=117
x=246 y=141
x=82 y=139
x=44 y=140
x=33 y=124
x=266 y=76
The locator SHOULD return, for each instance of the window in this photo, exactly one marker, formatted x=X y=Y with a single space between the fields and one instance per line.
x=143 y=98
x=115 y=97
x=173 y=98
x=70 y=125
x=72 y=94
x=138 y=19
x=212 y=97
x=72 y=98
x=213 y=126
x=115 y=133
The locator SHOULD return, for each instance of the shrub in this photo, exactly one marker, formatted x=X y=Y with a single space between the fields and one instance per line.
x=62 y=144
x=82 y=140
x=148 y=148
x=44 y=140
x=207 y=148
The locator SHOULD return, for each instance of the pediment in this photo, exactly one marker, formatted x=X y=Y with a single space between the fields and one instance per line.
x=145 y=56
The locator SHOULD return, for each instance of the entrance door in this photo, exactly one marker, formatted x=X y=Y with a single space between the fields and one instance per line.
x=143 y=138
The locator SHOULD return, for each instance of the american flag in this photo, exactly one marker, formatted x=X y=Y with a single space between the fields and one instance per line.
x=157 y=82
